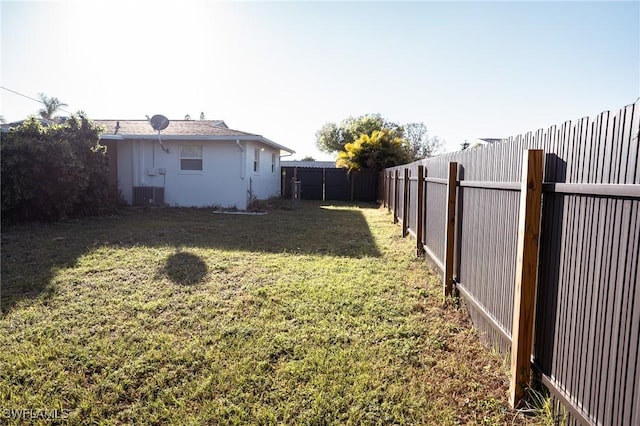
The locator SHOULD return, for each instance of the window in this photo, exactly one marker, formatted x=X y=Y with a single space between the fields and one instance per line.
x=256 y=160
x=273 y=162
x=191 y=158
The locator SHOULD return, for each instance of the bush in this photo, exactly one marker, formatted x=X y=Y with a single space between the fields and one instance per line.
x=49 y=173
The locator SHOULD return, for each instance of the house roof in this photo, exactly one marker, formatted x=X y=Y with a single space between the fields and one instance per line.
x=491 y=140
x=180 y=130
x=175 y=128
x=6 y=126
x=484 y=142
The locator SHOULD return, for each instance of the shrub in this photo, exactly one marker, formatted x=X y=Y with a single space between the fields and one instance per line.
x=49 y=173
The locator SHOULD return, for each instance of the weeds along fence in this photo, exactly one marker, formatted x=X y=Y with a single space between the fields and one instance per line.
x=540 y=237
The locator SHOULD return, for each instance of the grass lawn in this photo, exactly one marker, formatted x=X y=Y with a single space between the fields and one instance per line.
x=320 y=315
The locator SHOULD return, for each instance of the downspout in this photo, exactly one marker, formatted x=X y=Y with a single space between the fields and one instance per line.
x=141 y=163
x=135 y=162
x=243 y=167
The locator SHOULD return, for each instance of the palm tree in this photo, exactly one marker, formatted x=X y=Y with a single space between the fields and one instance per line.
x=51 y=106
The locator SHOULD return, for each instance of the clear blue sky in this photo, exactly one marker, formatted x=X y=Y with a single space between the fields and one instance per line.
x=467 y=70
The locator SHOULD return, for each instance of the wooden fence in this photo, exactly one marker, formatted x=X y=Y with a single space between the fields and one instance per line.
x=540 y=238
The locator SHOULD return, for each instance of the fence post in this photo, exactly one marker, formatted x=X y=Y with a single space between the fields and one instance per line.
x=396 y=196
x=283 y=183
x=405 y=203
x=420 y=213
x=450 y=227
x=385 y=188
x=458 y=231
x=389 y=191
x=324 y=184
x=382 y=187
x=526 y=274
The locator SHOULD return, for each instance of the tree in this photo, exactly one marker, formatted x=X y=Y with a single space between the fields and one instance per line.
x=420 y=144
x=51 y=106
x=308 y=158
x=332 y=138
x=381 y=149
x=401 y=144
x=329 y=138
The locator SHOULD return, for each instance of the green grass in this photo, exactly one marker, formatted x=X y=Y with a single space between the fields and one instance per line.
x=541 y=405
x=319 y=315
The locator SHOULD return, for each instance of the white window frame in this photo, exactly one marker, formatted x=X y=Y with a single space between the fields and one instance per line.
x=273 y=163
x=191 y=157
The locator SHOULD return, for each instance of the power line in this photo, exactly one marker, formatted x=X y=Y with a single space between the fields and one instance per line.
x=30 y=98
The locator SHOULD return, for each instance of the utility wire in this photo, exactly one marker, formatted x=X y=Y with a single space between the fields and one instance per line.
x=30 y=98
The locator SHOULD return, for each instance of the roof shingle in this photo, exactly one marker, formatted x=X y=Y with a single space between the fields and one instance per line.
x=175 y=128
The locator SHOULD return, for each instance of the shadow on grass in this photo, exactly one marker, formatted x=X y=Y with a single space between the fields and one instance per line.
x=31 y=254
x=184 y=268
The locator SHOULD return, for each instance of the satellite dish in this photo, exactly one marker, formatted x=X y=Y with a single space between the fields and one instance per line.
x=159 y=122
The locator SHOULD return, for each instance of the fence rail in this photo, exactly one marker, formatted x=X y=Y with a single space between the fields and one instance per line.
x=470 y=213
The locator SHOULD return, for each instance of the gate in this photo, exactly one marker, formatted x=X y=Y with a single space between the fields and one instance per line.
x=333 y=184
x=337 y=185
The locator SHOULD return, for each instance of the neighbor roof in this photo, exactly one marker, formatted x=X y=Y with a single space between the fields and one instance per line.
x=491 y=140
x=180 y=130
x=6 y=126
x=484 y=142
x=313 y=164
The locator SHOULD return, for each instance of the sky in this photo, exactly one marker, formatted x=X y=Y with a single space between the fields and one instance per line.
x=283 y=69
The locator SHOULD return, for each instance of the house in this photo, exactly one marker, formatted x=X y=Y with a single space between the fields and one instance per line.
x=191 y=163
x=478 y=143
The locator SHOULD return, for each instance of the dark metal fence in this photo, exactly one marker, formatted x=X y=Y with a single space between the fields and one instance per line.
x=587 y=300
x=331 y=183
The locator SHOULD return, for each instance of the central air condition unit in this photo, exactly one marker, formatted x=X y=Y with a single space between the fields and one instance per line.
x=146 y=195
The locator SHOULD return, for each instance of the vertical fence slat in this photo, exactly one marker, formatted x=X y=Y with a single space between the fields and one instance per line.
x=526 y=273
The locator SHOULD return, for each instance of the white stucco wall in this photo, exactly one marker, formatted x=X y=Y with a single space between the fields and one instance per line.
x=224 y=181
x=125 y=170
x=265 y=183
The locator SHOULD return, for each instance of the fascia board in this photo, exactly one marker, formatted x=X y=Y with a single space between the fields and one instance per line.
x=178 y=138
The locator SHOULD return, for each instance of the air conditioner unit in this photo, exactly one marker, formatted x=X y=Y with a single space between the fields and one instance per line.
x=146 y=195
